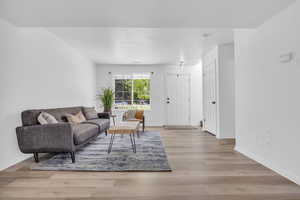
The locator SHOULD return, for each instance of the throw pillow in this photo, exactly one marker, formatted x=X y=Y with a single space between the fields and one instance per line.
x=81 y=116
x=46 y=118
x=90 y=113
x=139 y=114
x=76 y=119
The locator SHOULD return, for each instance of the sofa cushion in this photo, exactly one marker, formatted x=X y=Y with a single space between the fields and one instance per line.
x=46 y=118
x=82 y=132
x=102 y=124
x=130 y=114
x=139 y=114
x=90 y=113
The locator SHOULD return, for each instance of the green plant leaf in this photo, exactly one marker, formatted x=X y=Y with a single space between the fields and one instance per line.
x=107 y=98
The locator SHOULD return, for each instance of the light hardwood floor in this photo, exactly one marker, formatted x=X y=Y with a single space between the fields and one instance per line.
x=203 y=169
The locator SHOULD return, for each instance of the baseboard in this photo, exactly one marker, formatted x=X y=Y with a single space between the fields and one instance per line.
x=174 y=127
x=283 y=172
x=153 y=126
x=29 y=159
x=227 y=141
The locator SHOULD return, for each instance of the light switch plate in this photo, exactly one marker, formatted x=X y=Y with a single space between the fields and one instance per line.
x=286 y=58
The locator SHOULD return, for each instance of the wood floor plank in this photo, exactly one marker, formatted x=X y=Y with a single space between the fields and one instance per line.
x=4 y=181
x=203 y=169
x=62 y=183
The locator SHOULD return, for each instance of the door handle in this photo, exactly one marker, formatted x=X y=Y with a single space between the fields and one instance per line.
x=213 y=102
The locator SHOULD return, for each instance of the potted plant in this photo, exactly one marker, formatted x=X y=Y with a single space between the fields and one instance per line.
x=107 y=97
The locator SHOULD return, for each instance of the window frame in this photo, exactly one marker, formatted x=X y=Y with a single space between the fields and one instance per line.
x=132 y=106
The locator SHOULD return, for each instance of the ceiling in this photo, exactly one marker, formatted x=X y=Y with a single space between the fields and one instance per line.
x=141 y=13
x=143 y=45
x=141 y=31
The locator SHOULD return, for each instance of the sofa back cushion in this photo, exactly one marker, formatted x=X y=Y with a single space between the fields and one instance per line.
x=130 y=114
x=90 y=113
x=139 y=114
x=29 y=117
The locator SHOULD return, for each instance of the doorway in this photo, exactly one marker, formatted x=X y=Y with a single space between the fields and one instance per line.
x=209 y=95
x=178 y=99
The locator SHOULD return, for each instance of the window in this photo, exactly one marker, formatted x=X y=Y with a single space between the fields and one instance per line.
x=132 y=92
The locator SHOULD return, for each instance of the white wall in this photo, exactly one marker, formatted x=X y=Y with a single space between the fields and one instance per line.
x=156 y=116
x=226 y=91
x=37 y=70
x=267 y=93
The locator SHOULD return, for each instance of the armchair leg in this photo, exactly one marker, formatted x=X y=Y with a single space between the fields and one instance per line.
x=36 y=157
x=73 y=156
x=143 y=126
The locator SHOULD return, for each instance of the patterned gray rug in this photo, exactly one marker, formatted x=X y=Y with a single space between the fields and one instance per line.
x=150 y=156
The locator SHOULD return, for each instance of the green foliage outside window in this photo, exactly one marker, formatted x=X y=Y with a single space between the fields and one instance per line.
x=141 y=91
x=132 y=93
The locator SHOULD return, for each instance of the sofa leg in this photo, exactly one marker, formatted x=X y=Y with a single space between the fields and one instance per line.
x=36 y=157
x=73 y=157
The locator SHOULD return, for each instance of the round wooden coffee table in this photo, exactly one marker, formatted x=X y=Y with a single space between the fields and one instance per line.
x=124 y=128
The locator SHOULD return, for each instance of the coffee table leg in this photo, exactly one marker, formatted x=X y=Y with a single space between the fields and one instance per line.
x=132 y=140
x=111 y=143
x=134 y=143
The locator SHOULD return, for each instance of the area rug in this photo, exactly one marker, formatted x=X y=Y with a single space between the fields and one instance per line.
x=150 y=156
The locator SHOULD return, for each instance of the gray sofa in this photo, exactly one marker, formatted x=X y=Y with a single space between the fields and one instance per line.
x=60 y=137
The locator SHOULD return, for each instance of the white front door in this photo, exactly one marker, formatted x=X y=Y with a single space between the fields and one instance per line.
x=209 y=96
x=178 y=99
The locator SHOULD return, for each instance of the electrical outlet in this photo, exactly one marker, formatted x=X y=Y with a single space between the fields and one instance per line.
x=287 y=57
x=268 y=137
